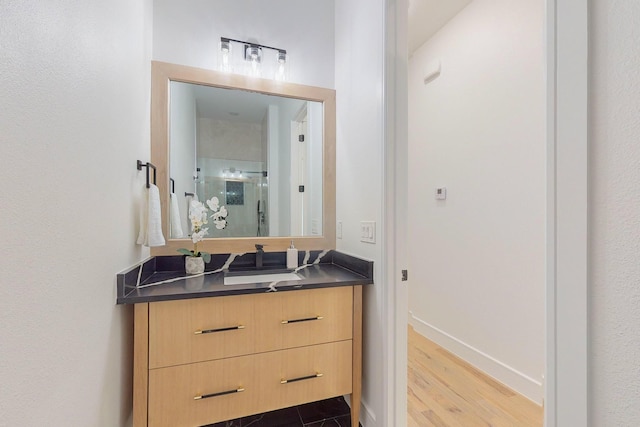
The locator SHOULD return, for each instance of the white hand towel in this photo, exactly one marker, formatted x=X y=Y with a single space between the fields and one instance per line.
x=144 y=220
x=176 y=223
x=150 y=219
x=155 y=218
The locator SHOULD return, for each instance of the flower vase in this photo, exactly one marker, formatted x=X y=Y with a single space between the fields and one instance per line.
x=194 y=265
x=194 y=283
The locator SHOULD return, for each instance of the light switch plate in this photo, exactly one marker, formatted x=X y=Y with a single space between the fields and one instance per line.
x=368 y=231
x=441 y=193
x=339 y=229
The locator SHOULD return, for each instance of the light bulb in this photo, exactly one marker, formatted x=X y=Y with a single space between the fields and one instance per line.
x=224 y=57
x=281 y=66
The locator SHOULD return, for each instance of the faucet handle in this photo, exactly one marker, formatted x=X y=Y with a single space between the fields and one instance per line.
x=259 y=247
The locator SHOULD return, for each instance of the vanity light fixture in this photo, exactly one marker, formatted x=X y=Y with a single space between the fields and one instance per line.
x=256 y=58
x=232 y=172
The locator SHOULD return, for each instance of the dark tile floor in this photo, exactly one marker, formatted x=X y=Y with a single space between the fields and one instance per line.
x=332 y=412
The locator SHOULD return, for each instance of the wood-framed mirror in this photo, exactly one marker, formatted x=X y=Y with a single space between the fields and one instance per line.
x=265 y=148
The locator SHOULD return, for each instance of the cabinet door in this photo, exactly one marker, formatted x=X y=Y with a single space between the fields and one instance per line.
x=195 y=330
x=301 y=318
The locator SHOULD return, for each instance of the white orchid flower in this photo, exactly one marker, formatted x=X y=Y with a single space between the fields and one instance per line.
x=195 y=205
x=217 y=216
x=213 y=203
x=198 y=216
x=199 y=235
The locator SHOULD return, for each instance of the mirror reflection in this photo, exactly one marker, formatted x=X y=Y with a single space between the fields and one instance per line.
x=260 y=155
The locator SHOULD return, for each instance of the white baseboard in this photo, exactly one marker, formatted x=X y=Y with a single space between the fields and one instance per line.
x=512 y=378
x=367 y=418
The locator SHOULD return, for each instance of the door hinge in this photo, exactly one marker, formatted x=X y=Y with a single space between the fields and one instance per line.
x=405 y=275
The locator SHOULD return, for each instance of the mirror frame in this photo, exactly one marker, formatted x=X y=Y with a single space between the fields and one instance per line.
x=162 y=74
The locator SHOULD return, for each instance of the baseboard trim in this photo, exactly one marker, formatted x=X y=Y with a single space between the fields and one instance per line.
x=512 y=378
x=367 y=418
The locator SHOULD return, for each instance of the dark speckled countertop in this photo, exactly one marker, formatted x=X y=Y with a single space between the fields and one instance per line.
x=163 y=278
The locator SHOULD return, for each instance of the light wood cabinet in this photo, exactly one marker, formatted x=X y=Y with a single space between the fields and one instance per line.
x=200 y=361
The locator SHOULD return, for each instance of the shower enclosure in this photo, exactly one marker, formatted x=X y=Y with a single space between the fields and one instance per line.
x=243 y=188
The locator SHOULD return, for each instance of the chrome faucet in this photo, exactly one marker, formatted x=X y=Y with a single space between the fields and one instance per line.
x=259 y=254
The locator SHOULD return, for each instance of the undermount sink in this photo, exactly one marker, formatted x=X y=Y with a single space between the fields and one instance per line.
x=259 y=276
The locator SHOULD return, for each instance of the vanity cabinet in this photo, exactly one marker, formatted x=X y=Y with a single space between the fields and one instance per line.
x=204 y=360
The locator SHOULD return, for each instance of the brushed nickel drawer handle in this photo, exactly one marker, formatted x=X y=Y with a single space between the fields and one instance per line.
x=308 y=377
x=210 y=331
x=306 y=319
x=222 y=393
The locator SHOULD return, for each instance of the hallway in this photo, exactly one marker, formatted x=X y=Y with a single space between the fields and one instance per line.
x=444 y=391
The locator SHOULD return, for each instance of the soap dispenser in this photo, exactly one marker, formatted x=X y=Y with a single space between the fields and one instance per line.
x=292 y=256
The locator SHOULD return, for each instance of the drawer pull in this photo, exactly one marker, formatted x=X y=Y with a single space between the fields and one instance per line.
x=210 y=331
x=308 y=377
x=222 y=393
x=306 y=319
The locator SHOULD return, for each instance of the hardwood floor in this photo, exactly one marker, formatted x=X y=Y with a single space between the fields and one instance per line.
x=445 y=391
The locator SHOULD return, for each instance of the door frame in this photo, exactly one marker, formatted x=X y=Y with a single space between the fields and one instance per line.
x=566 y=380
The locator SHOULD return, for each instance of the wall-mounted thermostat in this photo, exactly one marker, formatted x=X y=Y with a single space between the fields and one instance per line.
x=441 y=193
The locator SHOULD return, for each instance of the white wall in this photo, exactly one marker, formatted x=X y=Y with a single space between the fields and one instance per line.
x=75 y=117
x=614 y=211
x=304 y=28
x=478 y=258
x=359 y=80
x=229 y=139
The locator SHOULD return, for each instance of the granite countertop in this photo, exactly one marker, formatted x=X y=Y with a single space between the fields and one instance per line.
x=163 y=278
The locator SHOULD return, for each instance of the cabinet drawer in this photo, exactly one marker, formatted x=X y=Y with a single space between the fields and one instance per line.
x=300 y=318
x=311 y=373
x=196 y=330
x=305 y=374
x=173 y=392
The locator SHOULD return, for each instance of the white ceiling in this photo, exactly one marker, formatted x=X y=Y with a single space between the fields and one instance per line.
x=426 y=17
x=236 y=105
